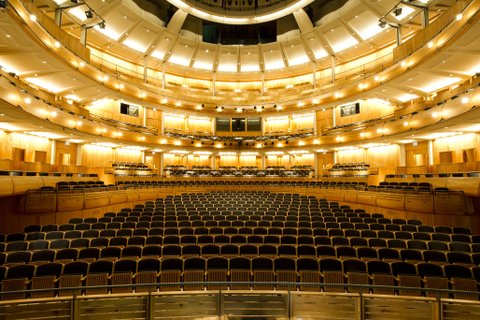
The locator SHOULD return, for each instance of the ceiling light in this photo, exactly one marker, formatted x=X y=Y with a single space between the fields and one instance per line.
x=397 y=11
x=27 y=100
x=102 y=25
x=465 y=100
x=57 y=44
x=33 y=17
x=459 y=17
x=382 y=24
x=89 y=14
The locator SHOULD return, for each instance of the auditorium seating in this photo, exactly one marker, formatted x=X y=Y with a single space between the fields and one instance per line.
x=272 y=240
x=130 y=169
x=244 y=171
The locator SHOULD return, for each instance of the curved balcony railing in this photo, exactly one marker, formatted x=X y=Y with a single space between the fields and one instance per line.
x=244 y=304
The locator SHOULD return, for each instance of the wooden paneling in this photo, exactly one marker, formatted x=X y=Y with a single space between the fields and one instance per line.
x=174 y=122
x=369 y=109
x=419 y=203
x=386 y=157
x=276 y=124
x=324 y=119
x=110 y=109
x=40 y=203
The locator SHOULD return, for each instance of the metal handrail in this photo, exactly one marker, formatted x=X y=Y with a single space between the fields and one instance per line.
x=206 y=284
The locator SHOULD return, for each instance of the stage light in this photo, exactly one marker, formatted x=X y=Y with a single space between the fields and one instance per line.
x=89 y=14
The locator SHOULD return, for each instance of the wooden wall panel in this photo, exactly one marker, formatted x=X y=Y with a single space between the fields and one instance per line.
x=203 y=125
x=416 y=154
x=125 y=155
x=276 y=124
x=386 y=157
x=110 y=109
x=228 y=161
x=174 y=122
x=247 y=160
x=154 y=118
x=61 y=152
x=324 y=119
x=198 y=160
x=302 y=122
x=462 y=149
x=369 y=109
x=97 y=156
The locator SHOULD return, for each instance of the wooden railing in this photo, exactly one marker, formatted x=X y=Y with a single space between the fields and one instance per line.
x=238 y=304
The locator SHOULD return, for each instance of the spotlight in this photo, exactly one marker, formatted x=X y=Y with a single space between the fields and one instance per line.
x=397 y=12
x=382 y=24
x=102 y=25
x=74 y=1
x=89 y=14
x=3 y=3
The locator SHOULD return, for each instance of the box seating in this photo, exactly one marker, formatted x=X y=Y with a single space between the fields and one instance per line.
x=241 y=236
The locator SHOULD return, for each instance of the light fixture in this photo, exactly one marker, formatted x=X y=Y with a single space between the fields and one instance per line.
x=397 y=11
x=382 y=24
x=102 y=25
x=89 y=14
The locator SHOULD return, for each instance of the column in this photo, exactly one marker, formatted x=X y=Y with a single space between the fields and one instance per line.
x=78 y=160
x=161 y=165
x=263 y=161
x=315 y=165
x=145 y=69
x=402 y=156
x=53 y=151
x=430 y=153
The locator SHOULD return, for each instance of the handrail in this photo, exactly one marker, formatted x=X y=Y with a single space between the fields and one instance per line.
x=156 y=285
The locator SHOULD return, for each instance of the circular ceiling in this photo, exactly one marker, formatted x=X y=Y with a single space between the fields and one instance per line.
x=240 y=12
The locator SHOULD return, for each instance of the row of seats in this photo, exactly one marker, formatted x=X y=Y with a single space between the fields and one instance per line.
x=399 y=239
x=307 y=184
x=194 y=273
x=240 y=173
x=116 y=248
